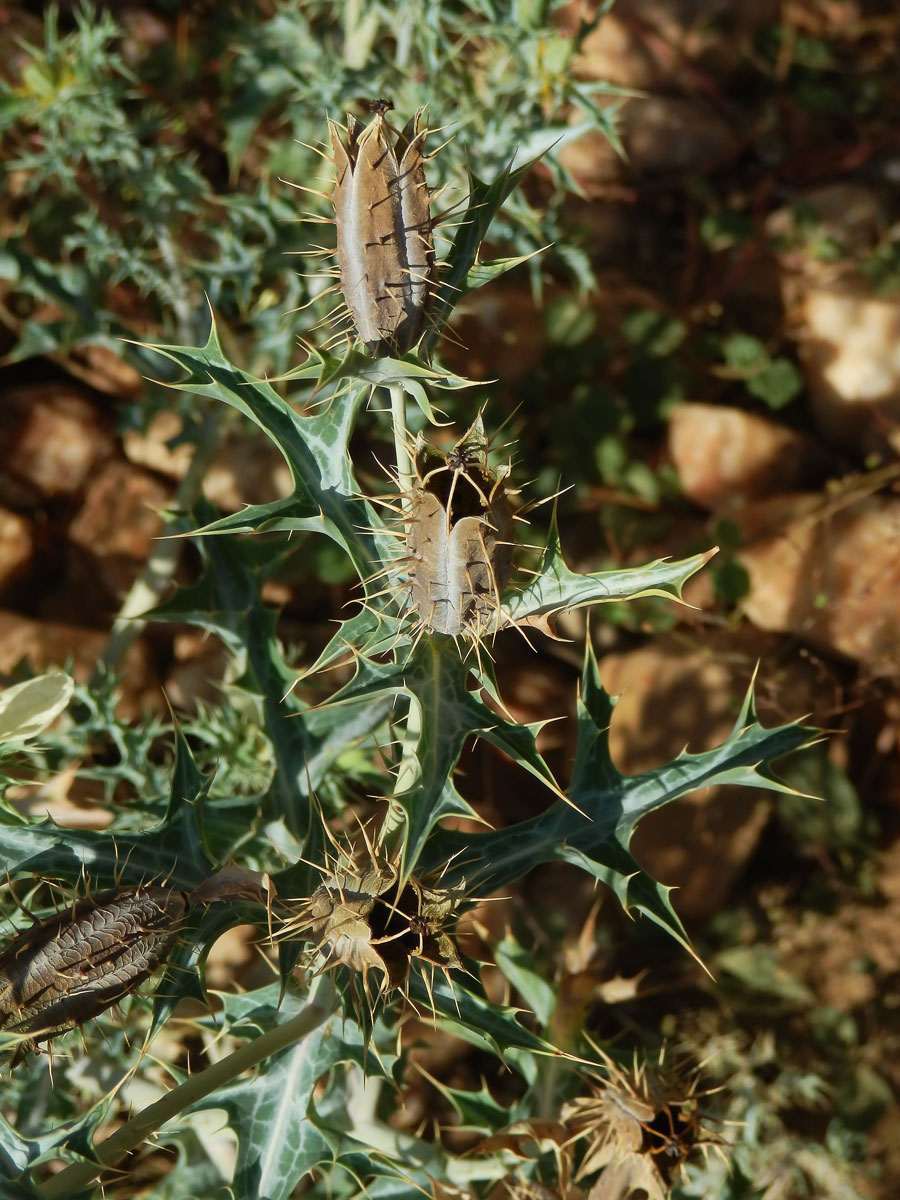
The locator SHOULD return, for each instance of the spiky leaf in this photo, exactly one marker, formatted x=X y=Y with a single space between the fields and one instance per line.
x=437 y=679
x=556 y=586
x=594 y=830
x=325 y=498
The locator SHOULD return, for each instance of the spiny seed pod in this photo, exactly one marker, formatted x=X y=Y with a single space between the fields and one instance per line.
x=62 y=971
x=460 y=537
x=640 y=1126
x=385 y=245
x=362 y=919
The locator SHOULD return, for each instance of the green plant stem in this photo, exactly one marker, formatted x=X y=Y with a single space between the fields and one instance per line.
x=79 y=1175
x=393 y=830
x=398 y=419
x=408 y=770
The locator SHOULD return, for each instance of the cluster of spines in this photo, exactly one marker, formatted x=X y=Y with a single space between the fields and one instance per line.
x=367 y=919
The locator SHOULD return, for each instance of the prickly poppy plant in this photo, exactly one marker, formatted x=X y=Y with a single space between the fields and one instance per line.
x=358 y=917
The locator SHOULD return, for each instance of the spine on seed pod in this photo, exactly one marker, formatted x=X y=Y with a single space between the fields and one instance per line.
x=385 y=244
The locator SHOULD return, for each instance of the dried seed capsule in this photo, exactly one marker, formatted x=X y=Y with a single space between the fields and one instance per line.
x=385 y=246
x=641 y=1123
x=459 y=538
x=360 y=918
x=69 y=968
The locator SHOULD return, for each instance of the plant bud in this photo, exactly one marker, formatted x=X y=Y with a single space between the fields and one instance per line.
x=74 y=965
x=385 y=247
x=460 y=537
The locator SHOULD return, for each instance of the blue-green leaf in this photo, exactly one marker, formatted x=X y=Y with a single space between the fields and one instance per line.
x=556 y=587
x=437 y=679
x=594 y=830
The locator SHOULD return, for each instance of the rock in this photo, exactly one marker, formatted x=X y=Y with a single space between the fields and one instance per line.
x=58 y=798
x=200 y=663
x=725 y=456
x=502 y=333
x=150 y=448
x=661 y=135
x=850 y=215
x=53 y=438
x=16 y=546
x=670 y=698
x=849 y=957
x=233 y=956
x=851 y=354
x=827 y=571
x=45 y=644
x=651 y=44
x=675 y=695
x=104 y=370
x=848 y=336
x=616 y=53
x=247 y=470
x=118 y=522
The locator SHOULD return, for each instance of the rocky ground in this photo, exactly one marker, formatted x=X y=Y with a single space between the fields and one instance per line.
x=752 y=202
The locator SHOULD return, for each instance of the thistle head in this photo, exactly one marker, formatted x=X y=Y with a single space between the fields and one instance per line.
x=640 y=1126
x=364 y=917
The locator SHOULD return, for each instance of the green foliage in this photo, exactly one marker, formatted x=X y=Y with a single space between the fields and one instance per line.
x=254 y=787
x=775 y=381
x=882 y=267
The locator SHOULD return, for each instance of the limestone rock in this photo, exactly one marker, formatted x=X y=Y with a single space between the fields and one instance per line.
x=651 y=44
x=669 y=698
x=53 y=438
x=661 y=135
x=118 y=523
x=827 y=571
x=851 y=354
x=150 y=448
x=247 y=470
x=46 y=644
x=16 y=545
x=725 y=456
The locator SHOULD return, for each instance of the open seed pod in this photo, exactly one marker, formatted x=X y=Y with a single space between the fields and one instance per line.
x=69 y=968
x=640 y=1126
x=362 y=919
x=460 y=537
x=385 y=246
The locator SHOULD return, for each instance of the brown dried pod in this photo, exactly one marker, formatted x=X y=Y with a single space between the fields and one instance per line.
x=459 y=538
x=385 y=245
x=639 y=1125
x=365 y=918
x=365 y=922
x=72 y=966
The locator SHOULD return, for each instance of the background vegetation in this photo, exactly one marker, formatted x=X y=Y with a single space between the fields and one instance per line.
x=704 y=352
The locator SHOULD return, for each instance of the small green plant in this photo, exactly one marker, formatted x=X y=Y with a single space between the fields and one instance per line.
x=775 y=381
x=266 y=827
